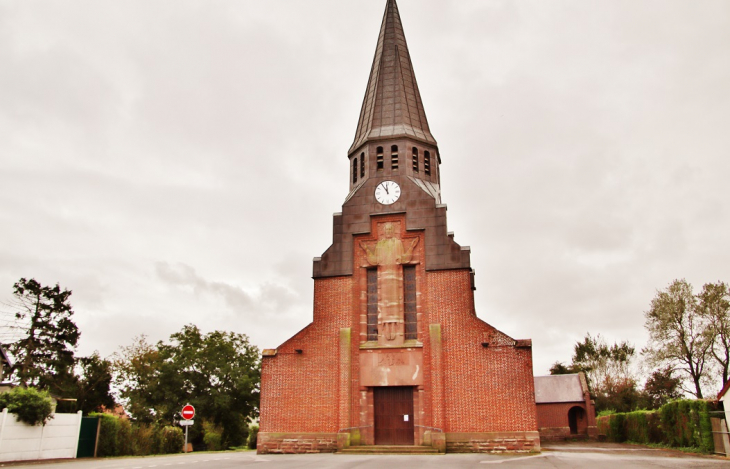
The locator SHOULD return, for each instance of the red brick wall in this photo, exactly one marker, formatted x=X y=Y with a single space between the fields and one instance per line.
x=300 y=392
x=553 y=422
x=555 y=415
x=486 y=389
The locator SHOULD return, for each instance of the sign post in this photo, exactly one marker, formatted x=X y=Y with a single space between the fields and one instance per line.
x=188 y=412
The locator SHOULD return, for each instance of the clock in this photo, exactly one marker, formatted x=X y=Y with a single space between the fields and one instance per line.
x=387 y=192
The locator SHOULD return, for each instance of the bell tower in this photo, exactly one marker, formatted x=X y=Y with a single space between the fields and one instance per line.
x=392 y=113
x=393 y=150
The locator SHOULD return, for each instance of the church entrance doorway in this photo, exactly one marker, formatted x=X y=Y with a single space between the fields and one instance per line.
x=393 y=415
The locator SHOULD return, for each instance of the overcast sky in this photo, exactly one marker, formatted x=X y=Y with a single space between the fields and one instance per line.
x=161 y=158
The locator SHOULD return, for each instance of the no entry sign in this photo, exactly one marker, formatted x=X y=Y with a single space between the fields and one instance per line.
x=188 y=412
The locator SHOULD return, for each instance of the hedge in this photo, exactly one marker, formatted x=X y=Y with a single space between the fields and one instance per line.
x=119 y=437
x=683 y=423
x=253 y=434
x=687 y=424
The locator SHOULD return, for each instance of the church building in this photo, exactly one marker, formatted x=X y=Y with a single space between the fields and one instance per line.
x=395 y=355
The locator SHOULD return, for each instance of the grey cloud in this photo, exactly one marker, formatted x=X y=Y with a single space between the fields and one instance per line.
x=267 y=297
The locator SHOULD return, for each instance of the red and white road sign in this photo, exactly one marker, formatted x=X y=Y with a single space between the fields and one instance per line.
x=188 y=412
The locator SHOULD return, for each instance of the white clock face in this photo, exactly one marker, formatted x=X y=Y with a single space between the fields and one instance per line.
x=387 y=192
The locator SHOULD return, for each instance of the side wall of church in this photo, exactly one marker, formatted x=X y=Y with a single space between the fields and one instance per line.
x=479 y=393
x=300 y=391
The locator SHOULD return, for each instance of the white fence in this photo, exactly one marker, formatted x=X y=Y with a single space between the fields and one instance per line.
x=59 y=438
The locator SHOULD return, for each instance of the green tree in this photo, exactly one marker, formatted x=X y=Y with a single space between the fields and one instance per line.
x=218 y=373
x=620 y=394
x=662 y=387
x=93 y=385
x=714 y=306
x=137 y=370
x=559 y=368
x=608 y=372
x=603 y=364
x=44 y=355
x=678 y=334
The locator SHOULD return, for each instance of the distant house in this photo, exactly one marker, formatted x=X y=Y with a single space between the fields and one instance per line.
x=117 y=411
x=564 y=407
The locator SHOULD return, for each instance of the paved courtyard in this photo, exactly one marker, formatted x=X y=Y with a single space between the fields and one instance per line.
x=557 y=456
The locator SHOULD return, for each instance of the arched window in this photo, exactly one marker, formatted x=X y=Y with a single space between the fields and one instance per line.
x=380 y=157
x=394 y=157
x=354 y=170
x=427 y=163
x=415 y=159
x=362 y=165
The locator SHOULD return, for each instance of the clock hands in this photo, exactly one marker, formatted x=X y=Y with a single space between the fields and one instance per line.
x=383 y=194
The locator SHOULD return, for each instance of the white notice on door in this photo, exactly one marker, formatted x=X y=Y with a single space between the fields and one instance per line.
x=405 y=418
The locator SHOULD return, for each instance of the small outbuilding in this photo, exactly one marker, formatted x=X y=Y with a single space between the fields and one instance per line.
x=564 y=407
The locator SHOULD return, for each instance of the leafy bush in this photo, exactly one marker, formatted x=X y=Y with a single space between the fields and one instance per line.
x=687 y=424
x=680 y=424
x=617 y=429
x=643 y=427
x=125 y=442
x=145 y=440
x=213 y=436
x=120 y=437
x=253 y=436
x=108 y=435
x=171 y=440
x=29 y=405
x=613 y=426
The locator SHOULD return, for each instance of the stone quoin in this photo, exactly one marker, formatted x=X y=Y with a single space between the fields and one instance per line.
x=395 y=354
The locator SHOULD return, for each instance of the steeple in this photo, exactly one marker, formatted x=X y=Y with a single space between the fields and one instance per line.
x=392 y=106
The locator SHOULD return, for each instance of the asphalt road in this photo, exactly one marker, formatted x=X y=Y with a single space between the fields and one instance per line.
x=570 y=456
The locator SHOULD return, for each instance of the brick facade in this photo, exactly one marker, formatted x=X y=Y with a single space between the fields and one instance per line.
x=477 y=386
x=471 y=385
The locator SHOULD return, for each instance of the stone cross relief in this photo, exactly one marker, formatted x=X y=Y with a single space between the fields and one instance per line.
x=389 y=256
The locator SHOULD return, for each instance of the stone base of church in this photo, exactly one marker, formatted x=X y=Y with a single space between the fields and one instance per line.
x=493 y=442
x=472 y=442
x=296 y=443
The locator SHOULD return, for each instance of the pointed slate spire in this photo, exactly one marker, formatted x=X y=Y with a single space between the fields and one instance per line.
x=392 y=106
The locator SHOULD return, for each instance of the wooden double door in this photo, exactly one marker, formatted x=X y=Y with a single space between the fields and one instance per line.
x=393 y=415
